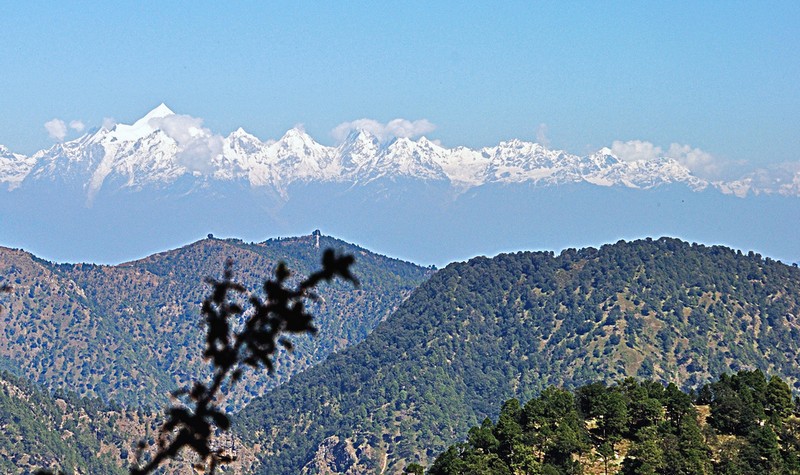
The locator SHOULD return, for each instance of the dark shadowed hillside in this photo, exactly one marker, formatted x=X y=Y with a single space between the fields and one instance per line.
x=482 y=331
x=73 y=435
x=133 y=332
x=79 y=436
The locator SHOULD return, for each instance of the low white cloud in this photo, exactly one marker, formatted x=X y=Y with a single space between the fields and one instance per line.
x=197 y=145
x=776 y=177
x=394 y=128
x=541 y=135
x=635 y=150
x=77 y=125
x=56 y=129
x=780 y=178
x=699 y=162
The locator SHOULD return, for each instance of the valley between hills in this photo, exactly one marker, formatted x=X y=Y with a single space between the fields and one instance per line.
x=417 y=362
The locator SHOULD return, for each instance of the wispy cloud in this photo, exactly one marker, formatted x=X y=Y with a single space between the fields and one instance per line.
x=56 y=129
x=109 y=123
x=197 y=145
x=77 y=125
x=699 y=162
x=776 y=177
x=541 y=135
x=635 y=150
x=394 y=128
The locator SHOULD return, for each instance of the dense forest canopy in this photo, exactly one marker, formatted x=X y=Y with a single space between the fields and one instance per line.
x=480 y=332
x=670 y=314
x=741 y=424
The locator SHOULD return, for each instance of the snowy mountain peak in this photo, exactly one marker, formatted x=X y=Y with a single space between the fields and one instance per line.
x=296 y=141
x=402 y=143
x=159 y=112
x=404 y=157
x=429 y=146
x=14 y=167
x=606 y=151
x=158 y=151
x=296 y=133
x=242 y=136
x=520 y=145
x=297 y=156
x=243 y=148
x=142 y=127
x=359 y=142
x=603 y=158
x=356 y=153
x=360 y=136
x=240 y=132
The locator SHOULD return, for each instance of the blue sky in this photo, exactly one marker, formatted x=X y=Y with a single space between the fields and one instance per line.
x=721 y=77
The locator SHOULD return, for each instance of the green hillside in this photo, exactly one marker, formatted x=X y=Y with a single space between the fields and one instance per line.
x=486 y=330
x=133 y=332
x=741 y=424
x=74 y=436
x=68 y=434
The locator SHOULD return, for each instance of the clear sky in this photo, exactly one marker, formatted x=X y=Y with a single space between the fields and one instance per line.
x=723 y=77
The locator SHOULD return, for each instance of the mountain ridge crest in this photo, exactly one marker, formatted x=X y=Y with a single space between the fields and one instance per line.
x=162 y=147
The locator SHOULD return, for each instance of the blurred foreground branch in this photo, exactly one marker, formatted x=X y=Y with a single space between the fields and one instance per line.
x=196 y=416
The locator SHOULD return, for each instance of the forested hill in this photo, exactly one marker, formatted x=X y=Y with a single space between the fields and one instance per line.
x=133 y=332
x=486 y=330
x=741 y=424
x=73 y=435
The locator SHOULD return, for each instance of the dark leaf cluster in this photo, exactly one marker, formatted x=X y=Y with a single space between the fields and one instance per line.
x=196 y=417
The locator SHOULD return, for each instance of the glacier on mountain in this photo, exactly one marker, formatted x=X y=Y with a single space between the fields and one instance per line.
x=14 y=167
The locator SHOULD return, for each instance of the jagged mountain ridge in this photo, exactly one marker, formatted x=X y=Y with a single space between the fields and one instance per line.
x=151 y=152
x=14 y=167
x=130 y=190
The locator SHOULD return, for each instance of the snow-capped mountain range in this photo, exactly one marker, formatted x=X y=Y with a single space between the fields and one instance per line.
x=162 y=147
x=129 y=190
